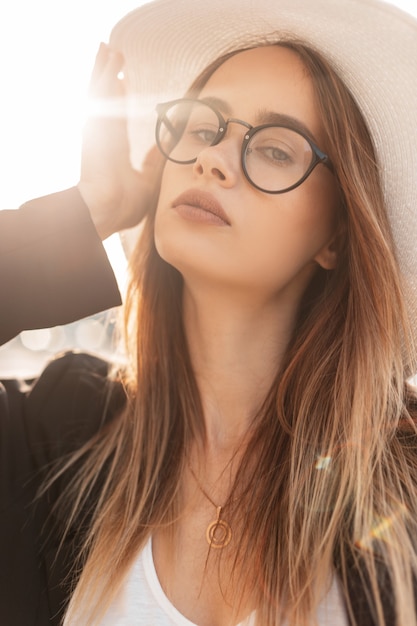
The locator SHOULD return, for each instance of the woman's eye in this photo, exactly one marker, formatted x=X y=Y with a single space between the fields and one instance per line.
x=203 y=135
x=275 y=155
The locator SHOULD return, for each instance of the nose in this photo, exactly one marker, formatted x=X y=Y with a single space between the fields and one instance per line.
x=221 y=161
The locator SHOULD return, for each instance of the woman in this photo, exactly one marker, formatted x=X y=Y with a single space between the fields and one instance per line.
x=255 y=461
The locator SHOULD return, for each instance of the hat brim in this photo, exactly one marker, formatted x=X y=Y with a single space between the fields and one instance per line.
x=371 y=44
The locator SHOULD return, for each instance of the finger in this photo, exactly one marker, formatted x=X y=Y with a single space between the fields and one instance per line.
x=99 y=64
x=108 y=63
x=115 y=61
x=111 y=83
x=105 y=82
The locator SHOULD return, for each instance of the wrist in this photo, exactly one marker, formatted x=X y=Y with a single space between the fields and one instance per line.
x=101 y=216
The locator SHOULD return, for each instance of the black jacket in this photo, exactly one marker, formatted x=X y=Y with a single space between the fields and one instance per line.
x=39 y=424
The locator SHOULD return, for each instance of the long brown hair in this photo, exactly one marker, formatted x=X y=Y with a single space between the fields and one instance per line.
x=329 y=473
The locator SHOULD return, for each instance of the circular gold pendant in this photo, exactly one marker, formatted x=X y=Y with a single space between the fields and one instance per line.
x=218 y=534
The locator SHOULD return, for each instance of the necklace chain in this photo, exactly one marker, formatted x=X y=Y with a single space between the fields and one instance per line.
x=219 y=532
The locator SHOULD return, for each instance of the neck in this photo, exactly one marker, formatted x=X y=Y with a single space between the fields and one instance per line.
x=236 y=346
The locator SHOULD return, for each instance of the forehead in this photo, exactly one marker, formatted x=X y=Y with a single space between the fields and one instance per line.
x=269 y=78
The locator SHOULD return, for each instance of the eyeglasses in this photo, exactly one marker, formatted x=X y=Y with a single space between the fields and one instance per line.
x=275 y=158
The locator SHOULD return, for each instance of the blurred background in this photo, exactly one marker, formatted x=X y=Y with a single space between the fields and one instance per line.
x=47 y=51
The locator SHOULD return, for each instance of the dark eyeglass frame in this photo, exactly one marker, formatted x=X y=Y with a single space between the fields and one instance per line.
x=318 y=156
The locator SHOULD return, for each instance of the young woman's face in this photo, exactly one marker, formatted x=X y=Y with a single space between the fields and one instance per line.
x=263 y=244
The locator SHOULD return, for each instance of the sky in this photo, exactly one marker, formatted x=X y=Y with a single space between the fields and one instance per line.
x=47 y=51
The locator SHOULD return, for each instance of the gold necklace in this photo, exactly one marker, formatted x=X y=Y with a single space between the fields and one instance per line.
x=218 y=533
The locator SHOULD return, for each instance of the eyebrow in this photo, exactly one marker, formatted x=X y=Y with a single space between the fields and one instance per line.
x=264 y=116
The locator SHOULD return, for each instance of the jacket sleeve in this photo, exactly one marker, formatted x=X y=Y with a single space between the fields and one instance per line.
x=53 y=267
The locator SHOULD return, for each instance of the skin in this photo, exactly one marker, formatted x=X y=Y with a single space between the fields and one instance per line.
x=244 y=281
x=116 y=195
x=243 y=285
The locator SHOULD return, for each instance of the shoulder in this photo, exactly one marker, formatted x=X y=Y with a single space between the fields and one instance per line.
x=58 y=412
x=41 y=421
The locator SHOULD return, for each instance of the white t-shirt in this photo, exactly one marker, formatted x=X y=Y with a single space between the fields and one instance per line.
x=143 y=602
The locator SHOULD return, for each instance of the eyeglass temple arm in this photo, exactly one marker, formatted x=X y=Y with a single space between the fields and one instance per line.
x=324 y=158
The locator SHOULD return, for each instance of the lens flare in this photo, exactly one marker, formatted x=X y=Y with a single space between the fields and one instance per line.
x=381 y=529
x=323 y=462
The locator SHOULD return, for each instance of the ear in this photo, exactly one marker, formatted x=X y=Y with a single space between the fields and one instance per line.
x=328 y=256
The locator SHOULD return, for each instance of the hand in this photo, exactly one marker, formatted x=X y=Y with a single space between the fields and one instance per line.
x=117 y=196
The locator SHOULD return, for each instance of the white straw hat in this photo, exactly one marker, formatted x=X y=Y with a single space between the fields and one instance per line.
x=371 y=44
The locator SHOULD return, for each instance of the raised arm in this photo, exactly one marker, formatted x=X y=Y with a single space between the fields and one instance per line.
x=53 y=267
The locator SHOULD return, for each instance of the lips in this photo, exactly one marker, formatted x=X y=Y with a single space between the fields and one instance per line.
x=203 y=201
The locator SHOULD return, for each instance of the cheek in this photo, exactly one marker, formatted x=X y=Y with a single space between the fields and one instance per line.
x=166 y=182
x=288 y=236
x=170 y=240
x=173 y=181
x=164 y=200
x=319 y=208
x=300 y=223
x=161 y=231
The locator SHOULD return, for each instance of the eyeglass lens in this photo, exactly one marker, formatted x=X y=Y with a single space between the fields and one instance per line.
x=275 y=157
